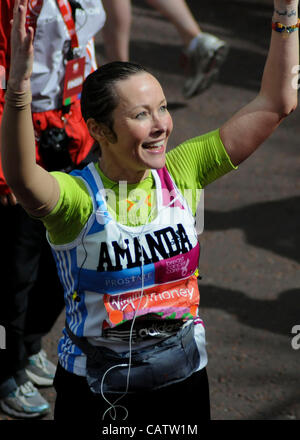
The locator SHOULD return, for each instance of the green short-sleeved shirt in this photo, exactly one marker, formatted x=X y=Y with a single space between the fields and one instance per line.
x=193 y=164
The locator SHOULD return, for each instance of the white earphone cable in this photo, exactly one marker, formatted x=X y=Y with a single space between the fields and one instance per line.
x=113 y=405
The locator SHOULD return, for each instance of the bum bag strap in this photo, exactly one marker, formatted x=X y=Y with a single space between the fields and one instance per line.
x=88 y=349
x=80 y=342
x=95 y=352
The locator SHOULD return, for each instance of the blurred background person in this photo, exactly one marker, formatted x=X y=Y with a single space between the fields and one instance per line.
x=202 y=55
x=31 y=294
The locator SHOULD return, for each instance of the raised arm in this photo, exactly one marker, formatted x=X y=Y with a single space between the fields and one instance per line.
x=254 y=123
x=35 y=189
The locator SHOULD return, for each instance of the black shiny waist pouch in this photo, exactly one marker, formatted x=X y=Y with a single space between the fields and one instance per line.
x=54 y=150
x=168 y=361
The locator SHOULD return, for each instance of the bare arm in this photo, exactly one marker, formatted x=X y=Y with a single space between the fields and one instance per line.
x=254 y=123
x=35 y=189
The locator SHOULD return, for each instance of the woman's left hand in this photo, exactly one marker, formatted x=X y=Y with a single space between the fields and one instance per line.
x=21 y=49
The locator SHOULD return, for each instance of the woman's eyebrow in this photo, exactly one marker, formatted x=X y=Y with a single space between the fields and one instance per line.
x=146 y=105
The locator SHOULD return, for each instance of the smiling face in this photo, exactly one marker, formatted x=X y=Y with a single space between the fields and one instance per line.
x=142 y=125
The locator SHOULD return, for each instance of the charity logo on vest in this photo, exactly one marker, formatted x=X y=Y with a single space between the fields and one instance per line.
x=162 y=244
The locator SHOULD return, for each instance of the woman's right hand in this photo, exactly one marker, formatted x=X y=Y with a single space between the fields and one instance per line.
x=21 y=49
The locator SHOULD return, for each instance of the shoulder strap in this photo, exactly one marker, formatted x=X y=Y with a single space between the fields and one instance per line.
x=66 y=12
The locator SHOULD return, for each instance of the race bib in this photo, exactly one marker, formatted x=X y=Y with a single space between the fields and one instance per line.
x=74 y=78
x=179 y=300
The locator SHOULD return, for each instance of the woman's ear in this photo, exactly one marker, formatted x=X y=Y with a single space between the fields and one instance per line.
x=100 y=132
x=94 y=128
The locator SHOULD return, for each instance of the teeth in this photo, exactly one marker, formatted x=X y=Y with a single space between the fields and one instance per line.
x=157 y=145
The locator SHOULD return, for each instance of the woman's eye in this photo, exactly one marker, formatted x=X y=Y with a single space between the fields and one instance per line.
x=163 y=108
x=141 y=115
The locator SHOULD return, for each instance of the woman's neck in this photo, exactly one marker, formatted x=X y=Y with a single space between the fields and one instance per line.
x=122 y=174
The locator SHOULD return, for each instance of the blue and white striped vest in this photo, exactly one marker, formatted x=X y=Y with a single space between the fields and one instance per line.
x=112 y=272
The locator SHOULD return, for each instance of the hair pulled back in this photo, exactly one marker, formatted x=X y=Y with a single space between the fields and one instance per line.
x=98 y=96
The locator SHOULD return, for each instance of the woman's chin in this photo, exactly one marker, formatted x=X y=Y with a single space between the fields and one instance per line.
x=155 y=161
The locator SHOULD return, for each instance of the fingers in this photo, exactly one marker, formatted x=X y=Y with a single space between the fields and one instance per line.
x=19 y=14
x=29 y=38
x=20 y=10
x=16 y=5
x=22 y=38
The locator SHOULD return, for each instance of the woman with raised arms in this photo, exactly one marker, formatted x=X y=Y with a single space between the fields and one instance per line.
x=134 y=344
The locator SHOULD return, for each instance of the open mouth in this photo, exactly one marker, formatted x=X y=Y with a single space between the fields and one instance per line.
x=155 y=146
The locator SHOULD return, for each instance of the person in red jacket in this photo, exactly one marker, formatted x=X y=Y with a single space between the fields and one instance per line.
x=64 y=52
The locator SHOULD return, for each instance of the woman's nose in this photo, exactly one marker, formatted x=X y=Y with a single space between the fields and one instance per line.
x=159 y=124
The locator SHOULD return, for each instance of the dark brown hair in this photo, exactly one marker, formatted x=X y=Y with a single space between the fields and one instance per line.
x=98 y=96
